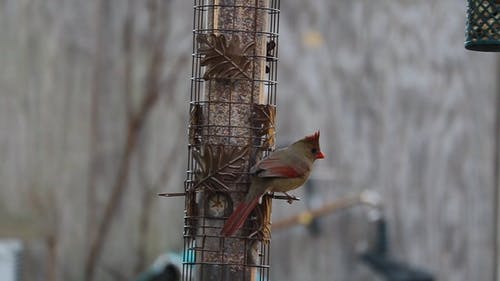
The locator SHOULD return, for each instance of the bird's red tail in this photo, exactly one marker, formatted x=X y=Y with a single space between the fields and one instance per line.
x=238 y=217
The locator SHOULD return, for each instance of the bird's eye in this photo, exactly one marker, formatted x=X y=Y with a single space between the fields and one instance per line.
x=314 y=151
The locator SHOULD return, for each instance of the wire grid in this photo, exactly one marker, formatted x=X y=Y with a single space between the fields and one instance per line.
x=231 y=117
x=483 y=25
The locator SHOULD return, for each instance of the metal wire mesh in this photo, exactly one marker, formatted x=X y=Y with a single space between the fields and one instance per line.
x=483 y=25
x=232 y=112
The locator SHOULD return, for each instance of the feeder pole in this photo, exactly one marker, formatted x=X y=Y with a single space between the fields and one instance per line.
x=232 y=111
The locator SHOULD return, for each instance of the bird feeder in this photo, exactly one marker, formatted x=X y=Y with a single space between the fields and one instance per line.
x=232 y=117
x=483 y=25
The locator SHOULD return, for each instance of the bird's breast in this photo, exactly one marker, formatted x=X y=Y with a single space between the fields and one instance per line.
x=286 y=184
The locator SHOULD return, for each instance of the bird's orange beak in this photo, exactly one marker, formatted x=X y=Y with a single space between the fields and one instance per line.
x=319 y=155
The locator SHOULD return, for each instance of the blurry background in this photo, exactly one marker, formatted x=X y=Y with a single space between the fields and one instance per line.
x=93 y=106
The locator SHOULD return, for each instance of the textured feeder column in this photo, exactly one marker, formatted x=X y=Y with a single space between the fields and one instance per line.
x=233 y=86
x=237 y=20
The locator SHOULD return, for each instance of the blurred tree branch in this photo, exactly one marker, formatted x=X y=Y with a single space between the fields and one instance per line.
x=149 y=192
x=135 y=121
x=44 y=204
x=96 y=90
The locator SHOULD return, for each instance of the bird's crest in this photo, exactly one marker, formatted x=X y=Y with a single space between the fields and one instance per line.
x=314 y=138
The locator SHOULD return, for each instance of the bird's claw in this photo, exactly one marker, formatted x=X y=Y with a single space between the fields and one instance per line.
x=253 y=233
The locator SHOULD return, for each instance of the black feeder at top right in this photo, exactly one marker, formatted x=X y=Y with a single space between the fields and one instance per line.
x=483 y=26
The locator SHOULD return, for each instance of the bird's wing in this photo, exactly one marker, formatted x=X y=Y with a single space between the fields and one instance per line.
x=276 y=166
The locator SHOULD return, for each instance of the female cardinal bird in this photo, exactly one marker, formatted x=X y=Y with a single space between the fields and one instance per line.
x=283 y=170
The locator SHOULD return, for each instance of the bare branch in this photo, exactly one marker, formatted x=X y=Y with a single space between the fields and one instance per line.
x=128 y=50
x=135 y=124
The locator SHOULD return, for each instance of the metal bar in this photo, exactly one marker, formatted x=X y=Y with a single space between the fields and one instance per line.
x=496 y=197
x=284 y=197
x=172 y=194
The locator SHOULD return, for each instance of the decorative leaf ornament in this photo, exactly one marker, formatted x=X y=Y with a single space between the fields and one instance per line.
x=270 y=53
x=223 y=58
x=263 y=118
x=218 y=164
x=195 y=123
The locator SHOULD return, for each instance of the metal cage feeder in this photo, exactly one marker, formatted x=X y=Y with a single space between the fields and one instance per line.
x=232 y=117
x=483 y=25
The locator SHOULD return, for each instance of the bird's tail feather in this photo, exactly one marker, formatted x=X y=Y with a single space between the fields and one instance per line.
x=238 y=217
